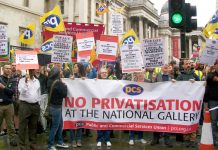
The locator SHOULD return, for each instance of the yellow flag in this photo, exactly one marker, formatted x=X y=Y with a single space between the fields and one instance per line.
x=52 y=20
x=129 y=38
x=93 y=55
x=102 y=9
x=211 y=29
x=28 y=36
x=47 y=46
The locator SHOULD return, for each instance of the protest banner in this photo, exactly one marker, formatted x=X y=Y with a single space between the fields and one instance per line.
x=107 y=48
x=131 y=57
x=74 y=27
x=62 y=49
x=153 y=52
x=85 y=43
x=125 y=105
x=3 y=40
x=116 y=23
x=26 y=60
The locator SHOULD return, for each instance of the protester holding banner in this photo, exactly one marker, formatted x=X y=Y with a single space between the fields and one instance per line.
x=211 y=95
x=76 y=135
x=138 y=77
x=188 y=75
x=7 y=89
x=58 y=91
x=29 y=109
x=162 y=76
x=103 y=135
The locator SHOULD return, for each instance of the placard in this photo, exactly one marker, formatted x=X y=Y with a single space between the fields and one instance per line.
x=153 y=52
x=3 y=40
x=62 y=49
x=26 y=60
x=116 y=23
x=107 y=48
x=85 y=43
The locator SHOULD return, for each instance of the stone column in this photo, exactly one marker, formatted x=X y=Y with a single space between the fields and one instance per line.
x=157 y=32
x=141 y=31
x=145 y=29
x=83 y=5
x=93 y=10
x=153 y=32
x=190 y=46
x=71 y=11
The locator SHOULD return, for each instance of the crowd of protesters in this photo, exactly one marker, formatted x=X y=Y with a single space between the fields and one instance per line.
x=24 y=98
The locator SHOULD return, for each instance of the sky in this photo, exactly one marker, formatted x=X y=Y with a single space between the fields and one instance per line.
x=205 y=9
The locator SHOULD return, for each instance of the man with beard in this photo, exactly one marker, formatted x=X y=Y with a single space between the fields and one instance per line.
x=187 y=74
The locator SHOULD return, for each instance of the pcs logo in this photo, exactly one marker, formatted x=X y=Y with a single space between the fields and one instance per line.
x=52 y=21
x=28 y=34
x=129 y=40
x=47 y=46
x=132 y=89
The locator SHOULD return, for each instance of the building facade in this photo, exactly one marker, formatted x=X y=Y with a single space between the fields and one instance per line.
x=17 y=14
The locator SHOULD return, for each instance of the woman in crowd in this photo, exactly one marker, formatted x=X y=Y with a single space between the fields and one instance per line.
x=76 y=135
x=137 y=77
x=58 y=90
x=103 y=135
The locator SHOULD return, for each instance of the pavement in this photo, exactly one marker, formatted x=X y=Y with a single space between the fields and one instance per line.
x=120 y=142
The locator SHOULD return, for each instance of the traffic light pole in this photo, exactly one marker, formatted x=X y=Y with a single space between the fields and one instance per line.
x=183 y=43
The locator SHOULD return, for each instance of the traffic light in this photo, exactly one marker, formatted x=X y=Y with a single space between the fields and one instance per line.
x=191 y=24
x=177 y=13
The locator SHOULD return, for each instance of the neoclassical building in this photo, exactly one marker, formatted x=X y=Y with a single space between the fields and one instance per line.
x=172 y=37
x=17 y=14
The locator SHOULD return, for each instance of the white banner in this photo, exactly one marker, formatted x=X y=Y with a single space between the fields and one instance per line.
x=62 y=49
x=3 y=40
x=116 y=23
x=125 y=105
x=153 y=51
x=131 y=57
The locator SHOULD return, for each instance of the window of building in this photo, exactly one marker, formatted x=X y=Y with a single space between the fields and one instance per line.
x=61 y=3
x=21 y=31
x=26 y=3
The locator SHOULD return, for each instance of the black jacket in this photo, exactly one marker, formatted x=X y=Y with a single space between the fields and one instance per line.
x=211 y=92
x=6 y=94
x=58 y=93
x=43 y=83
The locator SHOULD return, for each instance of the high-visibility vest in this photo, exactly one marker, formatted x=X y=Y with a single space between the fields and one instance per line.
x=147 y=75
x=157 y=70
x=199 y=74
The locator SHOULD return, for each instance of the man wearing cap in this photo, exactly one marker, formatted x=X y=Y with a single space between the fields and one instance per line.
x=29 y=88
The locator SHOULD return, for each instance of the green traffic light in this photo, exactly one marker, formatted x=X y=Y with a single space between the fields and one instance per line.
x=177 y=18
